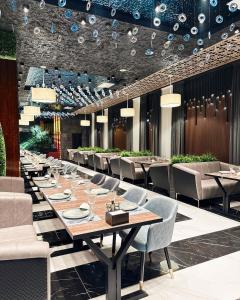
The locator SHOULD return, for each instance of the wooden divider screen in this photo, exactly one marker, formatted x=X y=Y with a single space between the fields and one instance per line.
x=207 y=130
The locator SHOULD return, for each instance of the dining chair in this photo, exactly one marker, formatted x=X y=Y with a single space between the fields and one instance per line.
x=136 y=195
x=111 y=184
x=98 y=178
x=156 y=236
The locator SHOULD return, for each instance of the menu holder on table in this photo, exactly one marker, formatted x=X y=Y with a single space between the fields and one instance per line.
x=117 y=217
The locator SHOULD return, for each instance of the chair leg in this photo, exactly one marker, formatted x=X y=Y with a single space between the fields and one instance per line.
x=142 y=264
x=114 y=243
x=168 y=262
x=150 y=256
x=101 y=240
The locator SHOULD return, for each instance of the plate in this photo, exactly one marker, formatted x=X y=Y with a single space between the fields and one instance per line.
x=99 y=191
x=46 y=185
x=75 y=213
x=128 y=206
x=83 y=181
x=59 y=196
x=224 y=172
x=39 y=178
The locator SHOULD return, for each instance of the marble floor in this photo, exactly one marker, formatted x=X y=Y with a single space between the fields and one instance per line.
x=205 y=253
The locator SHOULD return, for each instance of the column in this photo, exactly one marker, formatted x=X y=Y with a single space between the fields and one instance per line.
x=105 y=131
x=92 y=129
x=136 y=125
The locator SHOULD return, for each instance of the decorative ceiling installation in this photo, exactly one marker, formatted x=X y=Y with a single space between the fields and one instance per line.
x=215 y=56
x=80 y=36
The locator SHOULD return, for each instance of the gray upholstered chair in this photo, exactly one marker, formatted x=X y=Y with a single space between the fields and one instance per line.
x=98 y=178
x=77 y=157
x=91 y=162
x=111 y=184
x=160 y=175
x=190 y=180
x=156 y=236
x=100 y=162
x=11 y=184
x=130 y=170
x=136 y=195
x=24 y=260
x=83 y=159
x=115 y=166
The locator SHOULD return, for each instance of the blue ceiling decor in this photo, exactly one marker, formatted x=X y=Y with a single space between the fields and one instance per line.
x=73 y=89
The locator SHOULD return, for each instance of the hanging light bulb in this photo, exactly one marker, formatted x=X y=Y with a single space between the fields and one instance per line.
x=171 y=99
x=128 y=111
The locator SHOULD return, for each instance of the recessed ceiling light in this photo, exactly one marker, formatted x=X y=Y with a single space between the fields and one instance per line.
x=105 y=85
x=123 y=70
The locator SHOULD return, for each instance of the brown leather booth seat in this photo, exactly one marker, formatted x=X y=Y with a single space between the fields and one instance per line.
x=190 y=180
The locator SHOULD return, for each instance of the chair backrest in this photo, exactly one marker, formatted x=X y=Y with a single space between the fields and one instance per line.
x=99 y=162
x=127 y=168
x=115 y=165
x=72 y=168
x=91 y=160
x=136 y=195
x=160 y=175
x=98 y=178
x=160 y=234
x=111 y=184
x=83 y=159
x=76 y=157
x=203 y=167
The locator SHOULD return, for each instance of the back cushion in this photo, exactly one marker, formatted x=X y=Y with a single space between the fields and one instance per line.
x=204 y=167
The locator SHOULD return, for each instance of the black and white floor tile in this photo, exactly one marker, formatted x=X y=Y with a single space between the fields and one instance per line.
x=205 y=253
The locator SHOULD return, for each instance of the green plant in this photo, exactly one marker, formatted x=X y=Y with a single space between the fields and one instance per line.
x=38 y=140
x=2 y=153
x=99 y=149
x=135 y=153
x=192 y=158
x=7 y=45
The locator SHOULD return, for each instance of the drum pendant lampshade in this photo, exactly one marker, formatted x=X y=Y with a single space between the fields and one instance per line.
x=128 y=111
x=44 y=95
x=85 y=123
x=102 y=119
x=28 y=118
x=31 y=110
x=171 y=99
x=23 y=123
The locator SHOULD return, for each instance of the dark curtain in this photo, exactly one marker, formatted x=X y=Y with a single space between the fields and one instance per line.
x=234 y=151
x=143 y=120
x=178 y=123
x=155 y=121
x=213 y=82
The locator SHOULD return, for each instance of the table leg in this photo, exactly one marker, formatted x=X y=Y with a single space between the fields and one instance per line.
x=113 y=281
x=226 y=202
x=145 y=176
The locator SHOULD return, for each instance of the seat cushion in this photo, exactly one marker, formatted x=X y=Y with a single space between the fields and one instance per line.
x=210 y=188
x=140 y=241
x=18 y=233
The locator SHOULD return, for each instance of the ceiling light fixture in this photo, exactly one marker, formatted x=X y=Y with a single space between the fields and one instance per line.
x=29 y=118
x=44 y=94
x=102 y=118
x=171 y=99
x=123 y=70
x=128 y=111
x=85 y=122
x=105 y=85
x=31 y=110
x=23 y=123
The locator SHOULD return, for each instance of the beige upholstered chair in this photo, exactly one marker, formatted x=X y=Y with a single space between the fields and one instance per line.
x=24 y=260
x=115 y=166
x=190 y=180
x=100 y=162
x=161 y=177
x=91 y=162
x=11 y=184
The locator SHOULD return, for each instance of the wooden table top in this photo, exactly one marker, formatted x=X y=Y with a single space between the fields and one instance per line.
x=91 y=228
x=151 y=162
x=230 y=176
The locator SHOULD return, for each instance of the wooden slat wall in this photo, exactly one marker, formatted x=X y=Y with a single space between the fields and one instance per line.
x=9 y=114
x=210 y=134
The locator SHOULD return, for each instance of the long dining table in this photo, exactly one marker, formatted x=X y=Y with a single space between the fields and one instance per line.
x=86 y=230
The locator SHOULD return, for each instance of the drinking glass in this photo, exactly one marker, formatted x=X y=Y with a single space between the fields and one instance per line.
x=74 y=186
x=91 y=202
x=56 y=176
x=74 y=174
